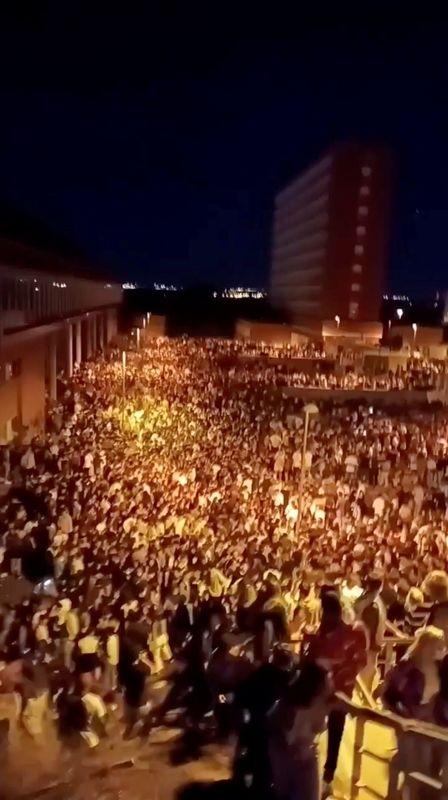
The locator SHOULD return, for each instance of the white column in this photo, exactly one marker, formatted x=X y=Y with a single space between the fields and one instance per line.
x=69 y=351
x=88 y=337
x=101 y=331
x=78 y=341
x=93 y=323
x=108 y=328
x=113 y=323
x=52 y=360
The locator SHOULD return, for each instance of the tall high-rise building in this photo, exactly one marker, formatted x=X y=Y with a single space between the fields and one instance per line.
x=330 y=237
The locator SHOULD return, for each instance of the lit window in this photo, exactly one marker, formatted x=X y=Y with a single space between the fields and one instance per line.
x=359 y=249
x=360 y=230
x=364 y=191
x=357 y=268
x=356 y=287
x=363 y=211
x=366 y=172
x=353 y=310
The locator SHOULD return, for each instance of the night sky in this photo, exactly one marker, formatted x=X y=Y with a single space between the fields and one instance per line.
x=156 y=140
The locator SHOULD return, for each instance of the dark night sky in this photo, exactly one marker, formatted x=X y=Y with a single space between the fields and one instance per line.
x=156 y=140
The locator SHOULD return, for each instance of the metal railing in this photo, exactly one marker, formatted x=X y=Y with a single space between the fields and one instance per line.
x=416 y=764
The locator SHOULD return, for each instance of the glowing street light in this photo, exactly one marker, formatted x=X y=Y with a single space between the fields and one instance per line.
x=337 y=320
x=399 y=312
x=414 y=328
x=123 y=384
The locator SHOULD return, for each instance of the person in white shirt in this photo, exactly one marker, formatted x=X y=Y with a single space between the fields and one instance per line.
x=28 y=461
x=65 y=522
x=351 y=464
x=279 y=498
x=418 y=494
x=275 y=440
x=297 y=460
x=279 y=463
x=88 y=464
x=379 y=505
x=292 y=512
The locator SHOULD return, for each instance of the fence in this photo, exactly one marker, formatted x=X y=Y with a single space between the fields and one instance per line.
x=395 y=758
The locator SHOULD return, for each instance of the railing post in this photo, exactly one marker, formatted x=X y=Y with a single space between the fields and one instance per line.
x=357 y=756
x=444 y=775
x=395 y=770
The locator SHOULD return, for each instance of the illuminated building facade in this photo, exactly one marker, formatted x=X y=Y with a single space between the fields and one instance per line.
x=330 y=238
x=53 y=314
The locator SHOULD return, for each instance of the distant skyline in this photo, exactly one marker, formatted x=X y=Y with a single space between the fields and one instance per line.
x=156 y=144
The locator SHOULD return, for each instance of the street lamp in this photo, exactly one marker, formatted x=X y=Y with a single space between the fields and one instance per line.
x=310 y=410
x=123 y=385
x=414 y=328
x=337 y=319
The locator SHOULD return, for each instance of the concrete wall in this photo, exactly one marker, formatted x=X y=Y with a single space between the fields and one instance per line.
x=269 y=332
x=32 y=387
x=23 y=397
x=438 y=352
x=156 y=326
x=380 y=364
x=112 y=326
x=308 y=365
x=9 y=404
x=423 y=337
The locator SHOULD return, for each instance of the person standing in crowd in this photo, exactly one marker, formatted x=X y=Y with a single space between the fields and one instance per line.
x=413 y=683
x=296 y=720
x=342 y=650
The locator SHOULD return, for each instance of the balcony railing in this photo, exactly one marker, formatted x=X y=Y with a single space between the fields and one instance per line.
x=394 y=758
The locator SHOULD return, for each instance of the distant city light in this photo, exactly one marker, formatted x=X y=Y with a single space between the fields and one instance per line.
x=242 y=293
x=128 y=285
x=402 y=297
x=166 y=287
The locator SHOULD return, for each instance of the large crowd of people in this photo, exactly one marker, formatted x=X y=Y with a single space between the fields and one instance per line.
x=322 y=375
x=174 y=515
x=311 y=366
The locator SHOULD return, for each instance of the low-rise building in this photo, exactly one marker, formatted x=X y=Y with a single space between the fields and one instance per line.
x=54 y=313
